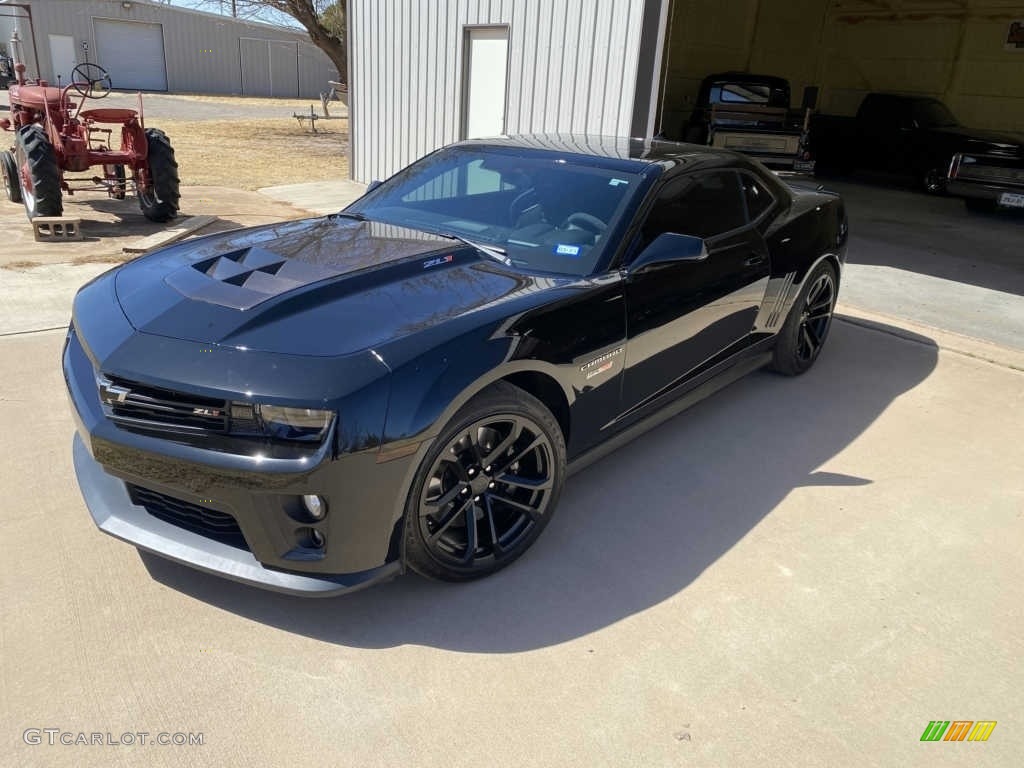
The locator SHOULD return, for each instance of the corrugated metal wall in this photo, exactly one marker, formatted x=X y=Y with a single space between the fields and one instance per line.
x=202 y=50
x=572 y=69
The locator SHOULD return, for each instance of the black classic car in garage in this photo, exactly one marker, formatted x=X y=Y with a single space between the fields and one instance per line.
x=315 y=405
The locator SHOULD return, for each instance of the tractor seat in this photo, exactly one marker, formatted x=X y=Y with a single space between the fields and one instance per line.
x=109 y=115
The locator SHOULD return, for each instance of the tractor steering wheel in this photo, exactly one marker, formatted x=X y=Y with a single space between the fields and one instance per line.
x=85 y=85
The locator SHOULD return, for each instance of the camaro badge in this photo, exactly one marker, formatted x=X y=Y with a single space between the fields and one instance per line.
x=603 y=364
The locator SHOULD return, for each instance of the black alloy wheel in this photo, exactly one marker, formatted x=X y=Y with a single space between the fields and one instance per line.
x=488 y=487
x=806 y=328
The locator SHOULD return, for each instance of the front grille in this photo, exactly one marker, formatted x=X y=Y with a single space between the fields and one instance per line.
x=139 y=405
x=991 y=173
x=207 y=522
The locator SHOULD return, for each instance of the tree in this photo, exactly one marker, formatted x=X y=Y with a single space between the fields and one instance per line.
x=323 y=20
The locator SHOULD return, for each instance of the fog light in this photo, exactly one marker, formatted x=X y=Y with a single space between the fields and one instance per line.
x=315 y=505
x=316 y=539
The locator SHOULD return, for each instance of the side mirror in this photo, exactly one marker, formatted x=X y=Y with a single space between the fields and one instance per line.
x=668 y=248
x=373 y=185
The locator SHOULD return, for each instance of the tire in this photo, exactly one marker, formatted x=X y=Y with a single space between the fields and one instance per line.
x=35 y=150
x=933 y=181
x=9 y=170
x=980 y=205
x=525 y=447
x=805 y=331
x=160 y=201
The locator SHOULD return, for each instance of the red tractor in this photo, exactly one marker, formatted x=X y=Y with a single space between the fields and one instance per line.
x=54 y=136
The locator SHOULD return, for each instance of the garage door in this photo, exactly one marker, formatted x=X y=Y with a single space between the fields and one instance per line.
x=133 y=53
x=269 y=67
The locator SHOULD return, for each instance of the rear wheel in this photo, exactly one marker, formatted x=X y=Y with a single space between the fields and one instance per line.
x=35 y=156
x=159 y=200
x=487 y=488
x=806 y=328
x=9 y=168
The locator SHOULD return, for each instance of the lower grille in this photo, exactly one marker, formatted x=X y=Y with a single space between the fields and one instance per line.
x=204 y=521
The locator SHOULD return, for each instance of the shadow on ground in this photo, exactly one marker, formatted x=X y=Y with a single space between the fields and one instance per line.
x=632 y=530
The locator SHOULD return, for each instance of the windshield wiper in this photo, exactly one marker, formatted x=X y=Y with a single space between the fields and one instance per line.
x=351 y=215
x=498 y=254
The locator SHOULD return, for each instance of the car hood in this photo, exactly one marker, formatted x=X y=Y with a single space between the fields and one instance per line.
x=984 y=141
x=330 y=286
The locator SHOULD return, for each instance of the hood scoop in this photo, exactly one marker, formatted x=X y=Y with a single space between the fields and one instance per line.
x=245 y=278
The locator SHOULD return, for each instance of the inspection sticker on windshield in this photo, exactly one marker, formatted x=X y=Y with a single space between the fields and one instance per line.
x=617 y=182
x=567 y=250
x=438 y=261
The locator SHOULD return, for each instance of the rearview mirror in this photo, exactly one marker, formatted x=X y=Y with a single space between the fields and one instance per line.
x=373 y=185
x=669 y=248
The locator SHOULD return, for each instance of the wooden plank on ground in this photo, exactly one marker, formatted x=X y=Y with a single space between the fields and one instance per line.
x=168 y=236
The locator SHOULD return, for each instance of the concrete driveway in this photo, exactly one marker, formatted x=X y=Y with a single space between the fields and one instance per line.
x=796 y=572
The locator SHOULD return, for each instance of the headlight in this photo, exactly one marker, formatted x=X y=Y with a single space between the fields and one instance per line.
x=293 y=423
x=279 y=422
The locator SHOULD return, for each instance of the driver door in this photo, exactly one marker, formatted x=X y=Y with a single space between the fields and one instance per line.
x=683 y=316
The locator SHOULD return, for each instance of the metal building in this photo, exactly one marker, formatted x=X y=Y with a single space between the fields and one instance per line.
x=424 y=73
x=158 y=47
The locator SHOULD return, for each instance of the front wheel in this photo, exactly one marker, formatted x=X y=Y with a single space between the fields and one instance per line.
x=160 y=198
x=806 y=328
x=41 y=194
x=934 y=181
x=487 y=488
x=9 y=168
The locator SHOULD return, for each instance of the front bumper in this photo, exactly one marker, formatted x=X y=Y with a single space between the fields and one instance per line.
x=365 y=500
x=115 y=514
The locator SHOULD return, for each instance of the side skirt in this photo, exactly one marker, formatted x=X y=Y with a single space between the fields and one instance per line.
x=727 y=373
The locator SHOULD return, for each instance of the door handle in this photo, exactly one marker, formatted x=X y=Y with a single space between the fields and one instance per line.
x=754 y=261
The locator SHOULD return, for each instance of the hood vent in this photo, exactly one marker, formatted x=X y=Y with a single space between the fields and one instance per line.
x=244 y=278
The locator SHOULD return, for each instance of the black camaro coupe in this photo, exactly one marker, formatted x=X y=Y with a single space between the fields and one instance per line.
x=313 y=406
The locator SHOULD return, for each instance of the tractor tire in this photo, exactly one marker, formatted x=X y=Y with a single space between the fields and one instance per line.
x=159 y=203
x=9 y=168
x=35 y=151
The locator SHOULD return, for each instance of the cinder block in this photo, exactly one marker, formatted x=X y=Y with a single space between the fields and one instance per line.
x=50 y=228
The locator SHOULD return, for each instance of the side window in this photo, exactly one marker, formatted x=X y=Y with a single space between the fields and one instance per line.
x=709 y=205
x=758 y=198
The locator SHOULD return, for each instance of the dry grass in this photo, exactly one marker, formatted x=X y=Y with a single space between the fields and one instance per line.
x=250 y=154
x=296 y=105
x=20 y=264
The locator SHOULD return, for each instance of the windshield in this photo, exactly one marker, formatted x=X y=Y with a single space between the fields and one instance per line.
x=541 y=212
x=748 y=93
x=930 y=113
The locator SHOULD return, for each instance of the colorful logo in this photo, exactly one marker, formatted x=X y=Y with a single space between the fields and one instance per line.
x=958 y=730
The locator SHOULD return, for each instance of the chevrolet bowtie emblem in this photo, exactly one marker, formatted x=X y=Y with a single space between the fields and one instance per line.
x=110 y=393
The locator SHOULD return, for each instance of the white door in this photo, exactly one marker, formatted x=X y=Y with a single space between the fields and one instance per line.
x=486 y=75
x=133 y=53
x=62 y=56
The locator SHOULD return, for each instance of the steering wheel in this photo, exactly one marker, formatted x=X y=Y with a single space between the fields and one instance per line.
x=86 y=86
x=522 y=203
x=585 y=221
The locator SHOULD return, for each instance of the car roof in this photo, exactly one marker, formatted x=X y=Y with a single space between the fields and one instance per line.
x=621 y=152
